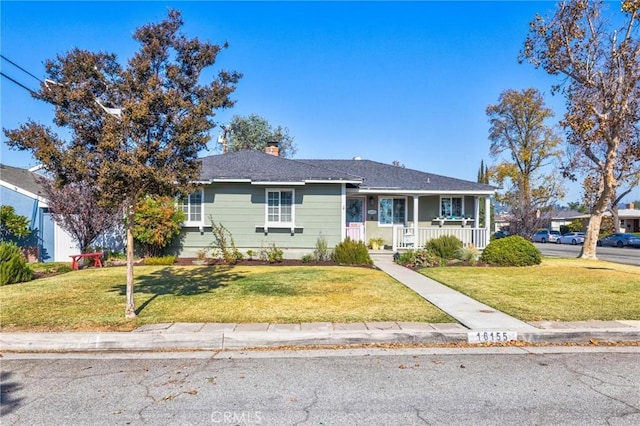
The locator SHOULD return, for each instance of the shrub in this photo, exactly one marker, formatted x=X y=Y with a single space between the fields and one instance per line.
x=308 y=258
x=511 y=251
x=351 y=252
x=469 y=254
x=321 y=251
x=52 y=268
x=223 y=241
x=13 y=267
x=271 y=254
x=163 y=260
x=445 y=247
x=157 y=222
x=418 y=259
x=63 y=269
x=12 y=225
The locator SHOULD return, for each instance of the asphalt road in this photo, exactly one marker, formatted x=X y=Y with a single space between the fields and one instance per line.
x=369 y=387
x=626 y=255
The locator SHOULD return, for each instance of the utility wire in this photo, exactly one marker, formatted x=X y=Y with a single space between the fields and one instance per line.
x=19 y=67
x=17 y=82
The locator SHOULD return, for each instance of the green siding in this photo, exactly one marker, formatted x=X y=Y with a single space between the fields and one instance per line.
x=241 y=209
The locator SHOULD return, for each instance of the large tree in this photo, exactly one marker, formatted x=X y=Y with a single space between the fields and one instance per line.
x=599 y=61
x=135 y=129
x=255 y=132
x=526 y=149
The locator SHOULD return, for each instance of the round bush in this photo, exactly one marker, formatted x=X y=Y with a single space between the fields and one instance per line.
x=351 y=252
x=511 y=251
x=445 y=247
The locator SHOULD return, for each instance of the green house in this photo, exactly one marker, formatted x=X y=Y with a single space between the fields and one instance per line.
x=264 y=199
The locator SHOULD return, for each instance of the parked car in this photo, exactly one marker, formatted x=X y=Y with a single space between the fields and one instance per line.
x=571 y=238
x=545 y=236
x=620 y=240
x=501 y=234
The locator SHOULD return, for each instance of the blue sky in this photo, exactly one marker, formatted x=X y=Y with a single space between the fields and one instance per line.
x=405 y=81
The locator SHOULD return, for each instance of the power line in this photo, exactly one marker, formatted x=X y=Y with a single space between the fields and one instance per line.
x=17 y=82
x=19 y=67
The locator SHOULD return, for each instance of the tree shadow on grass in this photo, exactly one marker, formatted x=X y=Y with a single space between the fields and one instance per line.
x=180 y=282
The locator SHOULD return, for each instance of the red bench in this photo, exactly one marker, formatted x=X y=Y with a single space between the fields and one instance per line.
x=95 y=256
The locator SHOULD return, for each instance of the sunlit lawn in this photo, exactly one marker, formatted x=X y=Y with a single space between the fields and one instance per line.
x=93 y=299
x=556 y=290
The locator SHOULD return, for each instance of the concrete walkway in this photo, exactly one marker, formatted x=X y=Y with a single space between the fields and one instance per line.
x=469 y=312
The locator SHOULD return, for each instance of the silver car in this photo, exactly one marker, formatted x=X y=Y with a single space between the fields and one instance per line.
x=571 y=238
x=620 y=240
x=545 y=236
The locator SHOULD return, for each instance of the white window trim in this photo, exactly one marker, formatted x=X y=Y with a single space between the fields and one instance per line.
x=200 y=222
x=392 y=197
x=451 y=197
x=280 y=224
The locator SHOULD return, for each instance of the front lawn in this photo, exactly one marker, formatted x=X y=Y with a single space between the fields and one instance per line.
x=556 y=290
x=93 y=299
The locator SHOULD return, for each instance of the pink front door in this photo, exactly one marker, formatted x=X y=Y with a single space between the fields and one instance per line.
x=355 y=218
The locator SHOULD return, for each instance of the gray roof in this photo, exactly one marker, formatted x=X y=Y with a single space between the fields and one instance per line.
x=380 y=176
x=565 y=214
x=366 y=174
x=258 y=166
x=22 y=178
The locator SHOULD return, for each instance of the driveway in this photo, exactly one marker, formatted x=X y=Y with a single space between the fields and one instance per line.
x=626 y=255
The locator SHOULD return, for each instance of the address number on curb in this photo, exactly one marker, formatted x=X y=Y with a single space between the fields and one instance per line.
x=491 y=336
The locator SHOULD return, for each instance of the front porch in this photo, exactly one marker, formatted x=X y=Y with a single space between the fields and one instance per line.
x=410 y=221
x=405 y=237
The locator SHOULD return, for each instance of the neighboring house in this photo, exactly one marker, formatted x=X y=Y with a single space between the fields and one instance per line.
x=21 y=189
x=629 y=218
x=560 y=218
x=263 y=199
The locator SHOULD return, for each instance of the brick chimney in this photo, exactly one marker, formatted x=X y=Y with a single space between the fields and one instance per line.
x=272 y=148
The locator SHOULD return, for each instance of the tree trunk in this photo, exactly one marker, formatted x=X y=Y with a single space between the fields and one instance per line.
x=591 y=238
x=616 y=218
x=130 y=311
x=609 y=184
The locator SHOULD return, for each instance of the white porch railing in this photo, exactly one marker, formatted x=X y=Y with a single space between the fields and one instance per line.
x=404 y=238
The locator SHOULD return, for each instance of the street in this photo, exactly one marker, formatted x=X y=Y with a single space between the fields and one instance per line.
x=626 y=255
x=545 y=386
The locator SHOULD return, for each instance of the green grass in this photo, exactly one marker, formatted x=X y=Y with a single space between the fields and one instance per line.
x=556 y=290
x=93 y=299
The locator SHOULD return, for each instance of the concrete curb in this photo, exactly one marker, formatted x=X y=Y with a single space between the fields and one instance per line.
x=125 y=341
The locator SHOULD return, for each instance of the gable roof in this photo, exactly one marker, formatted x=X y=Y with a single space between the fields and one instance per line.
x=366 y=175
x=256 y=166
x=21 y=180
x=379 y=176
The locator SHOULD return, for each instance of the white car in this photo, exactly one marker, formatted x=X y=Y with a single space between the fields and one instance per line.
x=571 y=238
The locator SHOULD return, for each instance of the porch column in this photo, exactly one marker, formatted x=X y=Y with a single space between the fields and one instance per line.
x=415 y=221
x=487 y=212
x=343 y=212
x=476 y=212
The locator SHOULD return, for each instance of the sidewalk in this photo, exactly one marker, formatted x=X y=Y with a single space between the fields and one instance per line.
x=473 y=317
